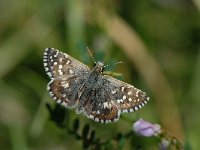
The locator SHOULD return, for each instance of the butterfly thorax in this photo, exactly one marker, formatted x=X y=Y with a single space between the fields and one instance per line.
x=98 y=68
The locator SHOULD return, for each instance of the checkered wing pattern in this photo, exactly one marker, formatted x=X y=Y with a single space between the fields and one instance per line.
x=106 y=114
x=67 y=75
x=97 y=104
x=117 y=97
x=127 y=97
x=58 y=64
x=100 y=97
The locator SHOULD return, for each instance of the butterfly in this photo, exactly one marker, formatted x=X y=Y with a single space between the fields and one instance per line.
x=100 y=97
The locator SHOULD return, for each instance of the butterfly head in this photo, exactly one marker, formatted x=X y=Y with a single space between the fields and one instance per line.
x=99 y=66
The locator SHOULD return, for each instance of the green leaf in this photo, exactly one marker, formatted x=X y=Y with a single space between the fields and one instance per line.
x=108 y=145
x=49 y=109
x=92 y=136
x=76 y=124
x=85 y=131
x=121 y=141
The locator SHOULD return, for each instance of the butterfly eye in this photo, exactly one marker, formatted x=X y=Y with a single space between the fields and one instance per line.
x=103 y=69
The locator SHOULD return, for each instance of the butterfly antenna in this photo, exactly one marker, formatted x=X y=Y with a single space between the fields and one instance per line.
x=119 y=62
x=91 y=55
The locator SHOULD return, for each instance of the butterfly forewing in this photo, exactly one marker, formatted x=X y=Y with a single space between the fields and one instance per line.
x=67 y=76
x=127 y=97
x=57 y=64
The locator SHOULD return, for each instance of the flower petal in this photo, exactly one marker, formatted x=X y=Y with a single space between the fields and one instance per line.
x=144 y=128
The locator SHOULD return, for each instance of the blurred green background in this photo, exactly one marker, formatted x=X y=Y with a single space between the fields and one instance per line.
x=158 y=41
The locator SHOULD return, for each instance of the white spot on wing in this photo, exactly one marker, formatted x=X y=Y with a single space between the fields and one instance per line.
x=137 y=93
x=55 y=63
x=60 y=67
x=48 y=87
x=66 y=85
x=116 y=119
x=64 y=104
x=107 y=121
x=59 y=101
x=45 y=64
x=136 y=108
x=113 y=91
x=125 y=110
x=91 y=117
x=64 y=95
x=51 y=93
x=68 y=62
x=131 y=110
x=56 y=55
x=96 y=119
x=106 y=105
x=66 y=55
x=129 y=92
x=71 y=71
x=123 y=89
x=46 y=69
x=49 y=74
x=124 y=97
x=60 y=72
x=120 y=101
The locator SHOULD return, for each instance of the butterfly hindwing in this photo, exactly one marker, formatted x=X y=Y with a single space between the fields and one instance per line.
x=110 y=97
x=64 y=91
x=95 y=100
x=106 y=114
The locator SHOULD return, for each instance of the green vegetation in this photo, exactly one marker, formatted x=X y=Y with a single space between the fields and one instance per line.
x=158 y=41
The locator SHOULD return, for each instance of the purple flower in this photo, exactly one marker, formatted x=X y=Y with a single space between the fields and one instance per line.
x=144 y=128
x=164 y=145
